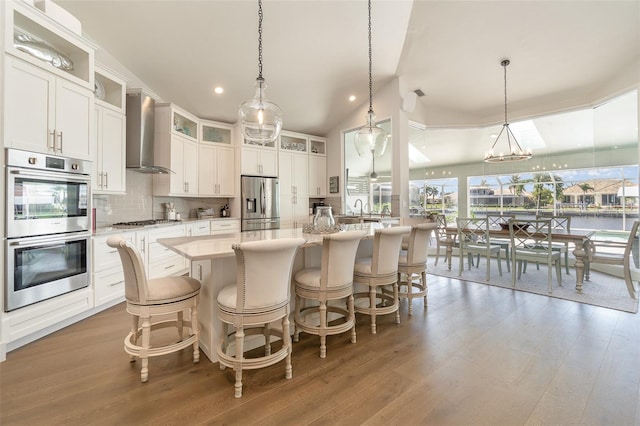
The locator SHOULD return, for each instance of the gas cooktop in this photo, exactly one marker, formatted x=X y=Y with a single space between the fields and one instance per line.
x=141 y=223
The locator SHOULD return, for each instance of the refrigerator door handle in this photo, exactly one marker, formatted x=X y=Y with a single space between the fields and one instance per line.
x=263 y=201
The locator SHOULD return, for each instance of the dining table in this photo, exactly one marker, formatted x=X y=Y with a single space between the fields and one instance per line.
x=580 y=238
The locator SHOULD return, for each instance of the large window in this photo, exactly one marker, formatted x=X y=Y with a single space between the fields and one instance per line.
x=375 y=194
x=433 y=196
x=600 y=198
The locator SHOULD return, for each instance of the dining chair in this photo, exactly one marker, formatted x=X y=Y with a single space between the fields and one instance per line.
x=260 y=296
x=616 y=253
x=332 y=281
x=379 y=271
x=160 y=297
x=531 y=242
x=413 y=261
x=443 y=240
x=473 y=238
x=499 y=221
x=562 y=223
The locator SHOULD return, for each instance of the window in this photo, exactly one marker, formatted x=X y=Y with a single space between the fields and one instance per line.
x=601 y=198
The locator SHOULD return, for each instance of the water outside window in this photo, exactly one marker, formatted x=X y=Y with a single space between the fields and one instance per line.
x=601 y=198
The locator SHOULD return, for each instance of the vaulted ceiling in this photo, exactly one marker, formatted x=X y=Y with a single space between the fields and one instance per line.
x=563 y=54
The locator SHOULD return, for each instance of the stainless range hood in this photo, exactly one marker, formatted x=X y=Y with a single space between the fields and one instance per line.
x=140 y=134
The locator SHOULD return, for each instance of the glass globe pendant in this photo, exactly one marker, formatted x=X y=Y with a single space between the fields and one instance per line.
x=371 y=139
x=260 y=119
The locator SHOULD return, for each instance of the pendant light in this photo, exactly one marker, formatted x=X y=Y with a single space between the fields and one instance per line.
x=370 y=140
x=260 y=119
x=514 y=151
x=373 y=177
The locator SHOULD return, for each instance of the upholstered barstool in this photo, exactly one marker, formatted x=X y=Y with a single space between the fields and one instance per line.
x=259 y=297
x=148 y=298
x=413 y=261
x=379 y=271
x=332 y=281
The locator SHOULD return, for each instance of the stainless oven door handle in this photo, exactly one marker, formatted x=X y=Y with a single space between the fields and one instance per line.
x=58 y=176
x=29 y=241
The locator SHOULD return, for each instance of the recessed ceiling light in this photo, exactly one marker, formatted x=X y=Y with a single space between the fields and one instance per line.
x=218 y=90
x=352 y=98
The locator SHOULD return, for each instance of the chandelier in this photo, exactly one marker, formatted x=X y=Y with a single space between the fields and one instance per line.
x=370 y=140
x=260 y=119
x=514 y=151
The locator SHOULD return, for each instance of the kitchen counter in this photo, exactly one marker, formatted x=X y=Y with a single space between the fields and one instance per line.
x=114 y=230
x=213 y=263
x=211 y=246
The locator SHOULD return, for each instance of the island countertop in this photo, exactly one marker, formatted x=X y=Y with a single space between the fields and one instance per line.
x=217 y=246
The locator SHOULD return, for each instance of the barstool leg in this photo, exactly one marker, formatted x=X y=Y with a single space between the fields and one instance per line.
x=286 y=341
x=238 y=362
x=396 y=300
x=180 y=326
x=267 y=339
x=352 y=317
x=323 y=328
x=195 y=329
x=424 y=287
x=144 y=351
x=135 y=321
x=372 y=308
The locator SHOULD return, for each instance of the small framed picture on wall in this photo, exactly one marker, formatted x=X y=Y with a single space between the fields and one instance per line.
x=333 y=184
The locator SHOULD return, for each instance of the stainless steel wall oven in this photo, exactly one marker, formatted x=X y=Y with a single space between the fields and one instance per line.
x=48 y=242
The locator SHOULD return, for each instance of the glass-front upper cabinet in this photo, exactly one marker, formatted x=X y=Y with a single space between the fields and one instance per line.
x=317 y=146
x=34 y=37
x=293 y=142
x=214 y=132
x=184 y=123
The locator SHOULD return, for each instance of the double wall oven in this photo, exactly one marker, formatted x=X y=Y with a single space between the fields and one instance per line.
x=48 y=222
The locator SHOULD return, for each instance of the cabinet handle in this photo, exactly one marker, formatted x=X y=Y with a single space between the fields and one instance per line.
x=60 y=136
x=115 y=284
x=53 y=141
x=169 y=267
x=106 y=180
x=100 y=180
x=185 y=187
x=200 y=272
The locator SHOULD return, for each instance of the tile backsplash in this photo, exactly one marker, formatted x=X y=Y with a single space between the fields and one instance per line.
x=139 y=203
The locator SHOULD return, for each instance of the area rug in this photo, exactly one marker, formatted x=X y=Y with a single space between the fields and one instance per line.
x=601 y=290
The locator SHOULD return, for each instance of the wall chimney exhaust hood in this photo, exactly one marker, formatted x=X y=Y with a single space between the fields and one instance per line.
x=140 y=134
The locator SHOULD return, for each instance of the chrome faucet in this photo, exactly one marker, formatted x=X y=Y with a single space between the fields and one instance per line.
x=385 y=210
x=356 y=205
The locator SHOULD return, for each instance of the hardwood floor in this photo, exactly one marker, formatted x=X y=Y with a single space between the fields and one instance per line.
x=477 y=355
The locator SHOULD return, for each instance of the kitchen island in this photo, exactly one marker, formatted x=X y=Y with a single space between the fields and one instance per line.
x=213 y=263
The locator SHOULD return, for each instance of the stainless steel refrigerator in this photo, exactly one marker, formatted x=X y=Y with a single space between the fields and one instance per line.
x=260 y=203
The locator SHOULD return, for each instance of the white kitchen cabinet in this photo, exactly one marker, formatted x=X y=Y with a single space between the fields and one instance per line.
x=181 y=156
x=317 y=176
x=293 y=173
x=216 y=171
x=294 y=211
x=224 y=226
x=46 y=113
x=163 y=261
x=109 y=169
x=108 y=276
x=259 y=161
x=24 y=19
x=177 y=149
x=294 y=199
x=216 y=160
x=201 y=227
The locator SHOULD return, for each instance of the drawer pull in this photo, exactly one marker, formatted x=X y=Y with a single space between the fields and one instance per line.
x=169 y=267
x=115 y=284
